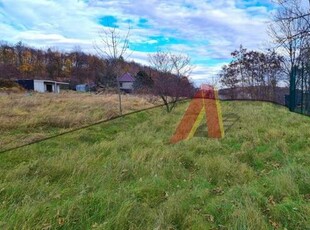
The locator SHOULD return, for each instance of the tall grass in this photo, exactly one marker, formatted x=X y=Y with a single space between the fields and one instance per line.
x=125 y=175
x=28 y=117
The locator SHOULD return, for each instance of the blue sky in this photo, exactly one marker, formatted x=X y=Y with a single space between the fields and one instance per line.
x=207 y=30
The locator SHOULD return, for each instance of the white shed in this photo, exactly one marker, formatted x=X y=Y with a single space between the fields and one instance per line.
x=43 y=86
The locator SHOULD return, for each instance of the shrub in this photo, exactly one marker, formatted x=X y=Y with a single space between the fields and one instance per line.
x=8 y=84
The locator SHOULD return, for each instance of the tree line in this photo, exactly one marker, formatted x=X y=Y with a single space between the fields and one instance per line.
x=170 y=83
x=286 y=62
x=23 y=62
x=257 y=74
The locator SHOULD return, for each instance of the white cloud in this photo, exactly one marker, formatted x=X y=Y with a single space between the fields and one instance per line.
x=210 y=29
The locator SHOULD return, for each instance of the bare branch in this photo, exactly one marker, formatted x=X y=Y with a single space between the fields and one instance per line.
x=172 y=82
x=181 y=65
x=114 y=47
x=112 y=44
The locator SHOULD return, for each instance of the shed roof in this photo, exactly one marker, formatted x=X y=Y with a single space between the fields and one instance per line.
x=45 y=81
x=126 y=78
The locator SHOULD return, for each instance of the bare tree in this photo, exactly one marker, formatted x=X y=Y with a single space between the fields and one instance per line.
x=161 y=61
x=181 y=65
x=294 y=10
x=113 y=46
x=261 y=73
x=171 y=82
x=290 y=30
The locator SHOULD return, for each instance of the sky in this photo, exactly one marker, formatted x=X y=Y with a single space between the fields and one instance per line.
x=207 y=30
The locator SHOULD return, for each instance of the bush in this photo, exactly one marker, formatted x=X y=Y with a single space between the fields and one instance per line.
x=8 y=84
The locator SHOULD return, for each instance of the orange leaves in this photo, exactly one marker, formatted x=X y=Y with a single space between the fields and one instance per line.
x=27 y=64
x=26 y=68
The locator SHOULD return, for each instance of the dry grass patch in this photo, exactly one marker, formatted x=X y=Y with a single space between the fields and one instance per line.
x=32 y=116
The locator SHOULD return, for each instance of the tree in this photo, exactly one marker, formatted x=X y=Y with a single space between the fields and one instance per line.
x=143 y=82
x=171 y=82
x=19 y=47
x=26 y=62
x=80 y=66
x=290 y=31
x=19 y=61
x=39 y=68
x=290 y=12
x=113 y=46
x=229 y=78
x=8 y=69
x=54 y=64
x=256 y=74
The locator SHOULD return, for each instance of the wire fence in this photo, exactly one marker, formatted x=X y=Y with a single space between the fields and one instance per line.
x=299 y=98
x=85 y=127
x=78 y=129
x=302 y=105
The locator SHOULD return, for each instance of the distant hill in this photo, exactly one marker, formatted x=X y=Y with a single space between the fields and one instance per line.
x=20 y=61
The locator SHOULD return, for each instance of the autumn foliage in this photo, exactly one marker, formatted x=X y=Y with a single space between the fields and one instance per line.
x=22 y=62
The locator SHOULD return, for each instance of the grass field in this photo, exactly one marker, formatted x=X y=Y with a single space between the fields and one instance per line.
x=25 y=118
x=125 y=175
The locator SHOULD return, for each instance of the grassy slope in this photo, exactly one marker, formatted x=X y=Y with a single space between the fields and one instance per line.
x=125 y=175
x=26 y=118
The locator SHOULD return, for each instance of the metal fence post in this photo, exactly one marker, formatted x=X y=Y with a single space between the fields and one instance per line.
x=292 y=104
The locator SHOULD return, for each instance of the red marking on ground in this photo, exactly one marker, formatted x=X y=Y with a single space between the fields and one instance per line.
x=213 y=122
x=204 y=98
x=188 y=119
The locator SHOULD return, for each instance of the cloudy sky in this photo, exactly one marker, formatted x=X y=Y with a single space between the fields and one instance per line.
x=207 y=30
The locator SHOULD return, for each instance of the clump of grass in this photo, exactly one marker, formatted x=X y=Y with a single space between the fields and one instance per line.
x=249 y=217
x=281 y=185
x=221 y=171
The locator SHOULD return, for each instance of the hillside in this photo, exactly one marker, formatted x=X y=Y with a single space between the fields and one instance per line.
x=125 y=175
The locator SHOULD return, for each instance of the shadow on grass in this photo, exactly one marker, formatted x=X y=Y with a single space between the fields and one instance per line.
x=229 y=120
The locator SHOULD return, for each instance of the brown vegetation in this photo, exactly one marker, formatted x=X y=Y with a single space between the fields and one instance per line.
x=7 y=86
x=27 y=117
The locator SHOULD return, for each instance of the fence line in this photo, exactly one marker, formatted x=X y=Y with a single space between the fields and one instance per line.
x=84 y=127
x=124 y=115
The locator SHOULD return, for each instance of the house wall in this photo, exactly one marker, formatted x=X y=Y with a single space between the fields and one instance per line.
x=82 y=88
x=127 y=85
x=57 y=88
x=27 y=84
x=39 y=86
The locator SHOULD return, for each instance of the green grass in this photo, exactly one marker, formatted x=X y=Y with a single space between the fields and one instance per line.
x=125 y=175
